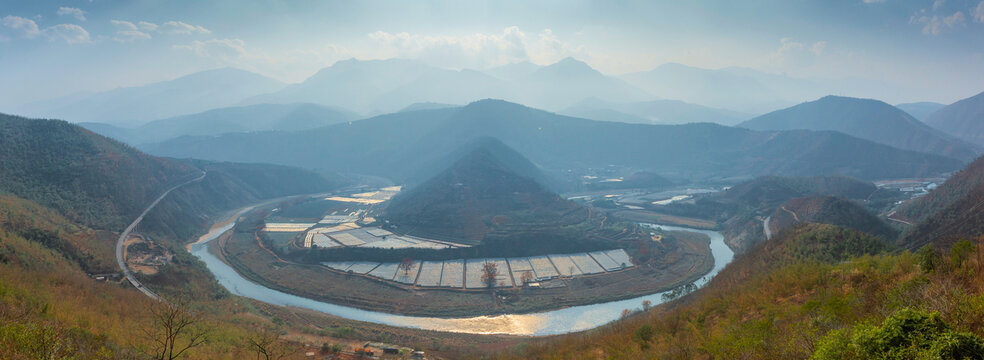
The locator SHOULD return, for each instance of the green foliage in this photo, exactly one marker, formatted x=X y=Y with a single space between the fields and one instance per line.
x=906 y=334
x=927 y=258
x=90 y=179
x=961 y=251
x=643 y=335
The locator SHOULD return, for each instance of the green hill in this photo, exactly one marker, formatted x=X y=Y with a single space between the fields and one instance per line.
x=867 y=119
x=93 y=180
x=477 y=195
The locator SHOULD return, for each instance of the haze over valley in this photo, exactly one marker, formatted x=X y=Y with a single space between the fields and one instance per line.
x=491 y=180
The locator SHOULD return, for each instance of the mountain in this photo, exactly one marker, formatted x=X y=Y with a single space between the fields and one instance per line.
x=384 y=86
x=91 y=179
x=476 y=195
x=104 y=184
x=263 y=117
x=948 y=213
x=867 y=119
x=510 y=159
x=830 y=210
x=568 y=81
x=667 y=112
x=394 y=145
x=351 y=84
x=442 y=86
x=185 y=95
x=514 y=71
x=920 y=110
x=962 y=119
x=736 y=89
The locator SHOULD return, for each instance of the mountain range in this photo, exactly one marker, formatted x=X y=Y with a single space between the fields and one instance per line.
x=264 y=117
x=867 y=119
x=393 y=145
x=131 y=106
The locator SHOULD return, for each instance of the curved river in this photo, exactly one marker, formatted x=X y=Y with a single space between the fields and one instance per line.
x=560 y=321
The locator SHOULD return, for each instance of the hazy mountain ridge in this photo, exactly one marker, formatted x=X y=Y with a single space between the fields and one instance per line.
x=188 y=94
x=391 y=145
x=867 y=119
x=666 y=112
x=920 y=110
x=263 y=117
x=963 y=119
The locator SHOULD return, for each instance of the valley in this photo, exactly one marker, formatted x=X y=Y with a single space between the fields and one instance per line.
x=435 y=180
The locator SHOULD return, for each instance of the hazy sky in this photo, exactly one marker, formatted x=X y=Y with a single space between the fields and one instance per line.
x=935 y=49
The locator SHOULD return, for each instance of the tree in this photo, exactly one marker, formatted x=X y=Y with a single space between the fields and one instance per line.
x=406 y=265
x=268 y=346
x=175 y=330
x=526 y=277
x=489 y=273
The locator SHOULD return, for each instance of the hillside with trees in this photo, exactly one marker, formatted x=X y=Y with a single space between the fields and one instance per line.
x=91 y=179
x=476 y=196
x=830 y=210
x=815 y=291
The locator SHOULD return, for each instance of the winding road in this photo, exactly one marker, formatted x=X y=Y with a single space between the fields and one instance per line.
x=121 y=260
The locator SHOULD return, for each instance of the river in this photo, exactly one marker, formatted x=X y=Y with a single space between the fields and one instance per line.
x=560 y=321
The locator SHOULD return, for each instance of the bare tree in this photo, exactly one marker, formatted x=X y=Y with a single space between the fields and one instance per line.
x=406 y=265
x=489 y=273
x=175 y=330
x=268 y=346
x=526 y=277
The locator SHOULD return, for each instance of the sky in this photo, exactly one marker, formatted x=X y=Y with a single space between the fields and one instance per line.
x=932 y=49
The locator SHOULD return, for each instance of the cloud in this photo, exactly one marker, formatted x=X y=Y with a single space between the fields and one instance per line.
x=223 y=50
x=818 y=47
x=26 y=27
x=978 y=13
x=453 y=51
x=795 y=54
x=70 y=33
x=146 y=26
x=937 y=24
x=292 y=65
x=177 y=27
x=873 y=1
x=476 y=51
x=70 y=11
x=938 y=4
x=129 y=32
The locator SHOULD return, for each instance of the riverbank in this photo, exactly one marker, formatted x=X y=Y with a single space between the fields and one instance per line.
x=572 y=319
x=689 y=260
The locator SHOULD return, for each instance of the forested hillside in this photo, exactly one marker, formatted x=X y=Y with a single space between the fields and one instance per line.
x=93 y=180
x=815 y=291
